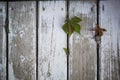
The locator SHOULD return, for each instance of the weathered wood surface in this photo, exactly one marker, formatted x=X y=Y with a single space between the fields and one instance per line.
x=83 y=46
x=22 y=40
x=52 y=39
x=52 y=61
x=110 y=43
x=2 y=42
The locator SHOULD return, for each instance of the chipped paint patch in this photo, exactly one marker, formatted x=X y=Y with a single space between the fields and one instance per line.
x=22 y=58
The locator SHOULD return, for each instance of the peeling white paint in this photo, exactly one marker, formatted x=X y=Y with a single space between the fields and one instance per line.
x=22 y=58
x=22 y=33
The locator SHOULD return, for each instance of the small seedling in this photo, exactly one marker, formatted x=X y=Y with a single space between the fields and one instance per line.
x=70 y=26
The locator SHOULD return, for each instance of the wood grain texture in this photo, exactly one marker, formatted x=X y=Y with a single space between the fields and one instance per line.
x=2 y=41
x=22 y=40
x=83 y=47
x=52 y=39
x=110 y=43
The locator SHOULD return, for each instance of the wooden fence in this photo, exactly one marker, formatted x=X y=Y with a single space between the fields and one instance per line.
x=32 y=40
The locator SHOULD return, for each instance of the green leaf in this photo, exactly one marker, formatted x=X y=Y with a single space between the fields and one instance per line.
x=66 y=51
x=76 y=27
x=71 y=30
x=76 y=19
x=71 y=26
x=65 y=28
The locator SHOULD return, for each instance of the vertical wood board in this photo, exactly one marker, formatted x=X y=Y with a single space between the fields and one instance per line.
x=110 y=43
x=2 y=41
x=52 y=39
x=22 y=40
x=83 y=46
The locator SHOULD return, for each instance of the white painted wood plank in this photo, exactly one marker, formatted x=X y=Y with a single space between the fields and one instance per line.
x=2 y=41
x=83 y=54
x=52 y=39
x=22 y=40
x=110 y=46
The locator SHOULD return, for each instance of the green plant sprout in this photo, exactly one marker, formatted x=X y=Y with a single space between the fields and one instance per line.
x=70 y=26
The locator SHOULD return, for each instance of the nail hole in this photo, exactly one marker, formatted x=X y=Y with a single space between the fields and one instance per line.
x=31 y=9
x=62 y=9
x=0 y=10
x=103 y=7
x=43 y=9
x=12 y=8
